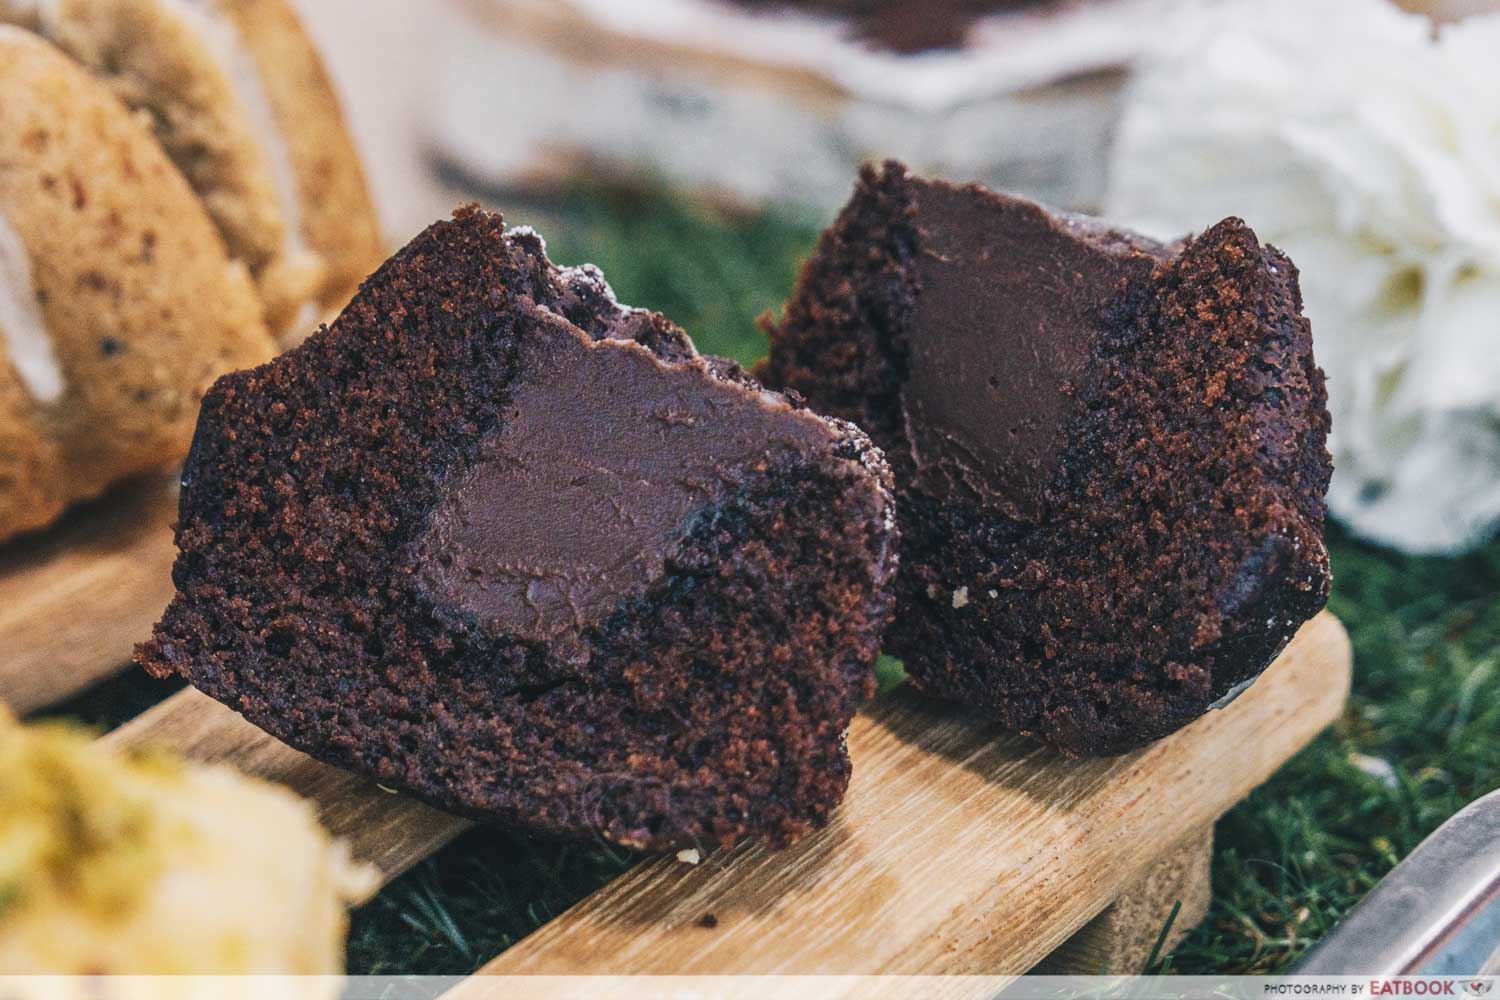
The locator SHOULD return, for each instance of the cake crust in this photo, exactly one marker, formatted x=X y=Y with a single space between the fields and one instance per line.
x=237 y=96
x=339 y=219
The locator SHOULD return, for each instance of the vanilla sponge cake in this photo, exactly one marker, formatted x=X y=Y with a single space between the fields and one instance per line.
x=138 y=864
x=239 y=98
x=118 y=303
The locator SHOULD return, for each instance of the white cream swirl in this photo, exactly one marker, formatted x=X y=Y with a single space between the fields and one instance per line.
x=22 y=326
x=1366 y=143
x=221 y=39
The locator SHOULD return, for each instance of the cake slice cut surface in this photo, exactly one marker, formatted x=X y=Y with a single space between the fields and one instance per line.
x=495 y=540
x=1109 y=452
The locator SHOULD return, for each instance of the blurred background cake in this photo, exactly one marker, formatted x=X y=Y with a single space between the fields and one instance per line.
x=118 y=302
x=141 y=865
x=179 y=194
x=238 y=98
x=763 y=102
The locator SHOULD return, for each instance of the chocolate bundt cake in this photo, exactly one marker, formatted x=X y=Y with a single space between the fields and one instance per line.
x=499 y=542
x=1109 y=453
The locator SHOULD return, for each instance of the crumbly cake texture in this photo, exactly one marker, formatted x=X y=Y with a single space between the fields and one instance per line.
x=904 y=26
x=136 y=302
x=695 y=688
x=251 y=119
x=30 y=494
x=137 y=864
x=1109 y=454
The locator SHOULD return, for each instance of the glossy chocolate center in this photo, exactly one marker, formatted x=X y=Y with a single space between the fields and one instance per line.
x=1011 y=305
x=606 y=458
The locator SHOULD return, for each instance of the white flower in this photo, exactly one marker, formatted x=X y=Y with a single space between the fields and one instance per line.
x=1366 y=144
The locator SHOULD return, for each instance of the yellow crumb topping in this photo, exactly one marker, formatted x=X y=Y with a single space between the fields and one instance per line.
x=140 y=864
x=76 y=823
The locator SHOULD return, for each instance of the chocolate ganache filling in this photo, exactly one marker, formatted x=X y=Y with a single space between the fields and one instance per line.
x=605 y=458
x=1013 y=299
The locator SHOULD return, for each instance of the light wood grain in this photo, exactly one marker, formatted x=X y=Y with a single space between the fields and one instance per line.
x=76 y=599
x=958 y=850
x=1120 y=941
x=386 y=830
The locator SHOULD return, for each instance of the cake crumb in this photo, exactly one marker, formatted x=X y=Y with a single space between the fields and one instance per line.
x=689 y=856
x=961 y=598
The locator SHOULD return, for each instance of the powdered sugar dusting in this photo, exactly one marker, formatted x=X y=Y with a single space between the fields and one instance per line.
x=591 y=277
x=527 y=233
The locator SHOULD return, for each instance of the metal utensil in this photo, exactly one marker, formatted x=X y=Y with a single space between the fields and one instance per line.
x=1437 y=913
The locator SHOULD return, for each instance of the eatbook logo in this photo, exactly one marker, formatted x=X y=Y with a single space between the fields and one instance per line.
x=1433 y=986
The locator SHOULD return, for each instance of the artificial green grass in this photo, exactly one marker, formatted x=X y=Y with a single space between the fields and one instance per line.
x=1421 y=737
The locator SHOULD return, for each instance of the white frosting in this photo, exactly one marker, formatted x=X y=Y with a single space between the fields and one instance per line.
x=1006 y=51
x=221 y=39
x=1367 y=146
x=695 y=122
x=22 y=325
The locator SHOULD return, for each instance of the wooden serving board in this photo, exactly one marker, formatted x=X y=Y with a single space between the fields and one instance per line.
x=958 y=849
x=74 y=600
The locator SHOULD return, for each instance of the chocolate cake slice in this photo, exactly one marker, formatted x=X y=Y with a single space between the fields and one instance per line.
x=1109 y=453
x=499 y=542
